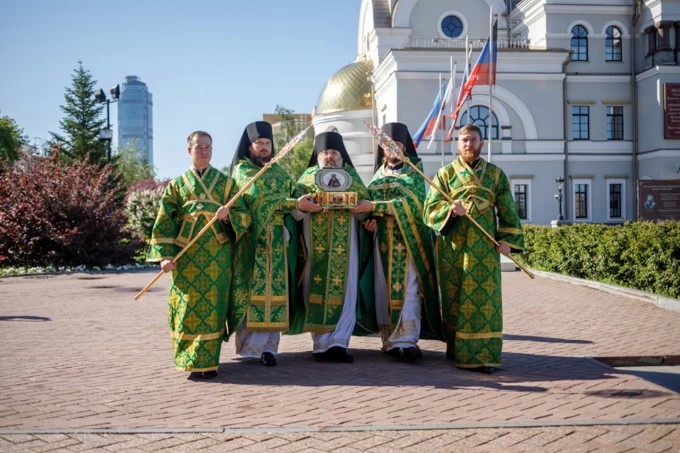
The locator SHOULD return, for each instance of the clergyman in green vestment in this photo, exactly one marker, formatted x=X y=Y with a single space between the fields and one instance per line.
x=259 y=309
x=200 y=279
x=405 y=286
x=333 y=261
x=468 y=263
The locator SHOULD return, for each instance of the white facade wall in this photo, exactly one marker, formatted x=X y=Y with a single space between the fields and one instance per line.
x=537 y=86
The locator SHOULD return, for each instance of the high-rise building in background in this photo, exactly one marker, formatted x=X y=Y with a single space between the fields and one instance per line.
x=135 y=114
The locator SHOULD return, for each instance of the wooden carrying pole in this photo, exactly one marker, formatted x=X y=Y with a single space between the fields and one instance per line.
x=387 y=142
x=290 y=145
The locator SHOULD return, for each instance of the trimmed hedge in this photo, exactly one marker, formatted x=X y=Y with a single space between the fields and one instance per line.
x=639 y=255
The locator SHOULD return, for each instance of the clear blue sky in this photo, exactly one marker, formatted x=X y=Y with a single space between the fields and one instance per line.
x=215 y=65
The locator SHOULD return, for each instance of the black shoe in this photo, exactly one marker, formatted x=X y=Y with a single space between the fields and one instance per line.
x=268 y=359
x=339 y=354
x=482 y=369
x=343 y=357
x=410 y=355
x=394 y=352
x=203 y=375
x=322 y=356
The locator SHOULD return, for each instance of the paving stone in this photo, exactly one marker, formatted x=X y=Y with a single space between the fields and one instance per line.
x=551 y=329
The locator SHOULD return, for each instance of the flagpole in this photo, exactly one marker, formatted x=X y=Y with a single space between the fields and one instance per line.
x=443 y=117
x=440 y=111
x=452 y=82
x=467 y=99
x=451 y=109
x=438 y=116
x=460 y=100
x=491 y=60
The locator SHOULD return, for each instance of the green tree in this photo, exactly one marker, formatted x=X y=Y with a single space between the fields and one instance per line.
x=295 y=162
x=128 y=167
x=11 y=139
x=82 y=121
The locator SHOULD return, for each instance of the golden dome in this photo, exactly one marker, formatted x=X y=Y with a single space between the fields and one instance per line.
x=348 y=89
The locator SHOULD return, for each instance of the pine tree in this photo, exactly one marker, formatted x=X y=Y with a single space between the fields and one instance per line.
x=82 y=121
x=11 y=139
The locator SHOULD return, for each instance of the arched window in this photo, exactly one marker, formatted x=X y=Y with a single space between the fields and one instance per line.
x=612 y=45
x=579 y=43
x=479 y=116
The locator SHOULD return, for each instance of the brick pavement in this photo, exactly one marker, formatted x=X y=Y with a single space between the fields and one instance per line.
x=85 y=366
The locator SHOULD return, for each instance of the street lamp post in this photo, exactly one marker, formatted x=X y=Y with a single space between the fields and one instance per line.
x=558 y=197
x=107 y=134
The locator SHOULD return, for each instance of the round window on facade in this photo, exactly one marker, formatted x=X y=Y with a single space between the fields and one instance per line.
x=452 y=26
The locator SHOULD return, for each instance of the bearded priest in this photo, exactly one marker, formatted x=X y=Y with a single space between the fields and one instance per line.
x=337 y=274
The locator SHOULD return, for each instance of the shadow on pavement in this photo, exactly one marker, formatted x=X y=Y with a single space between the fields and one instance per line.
x=24 y=318
x=667 y=377
x=627 y=394
x=543 y=339
x=371 y=368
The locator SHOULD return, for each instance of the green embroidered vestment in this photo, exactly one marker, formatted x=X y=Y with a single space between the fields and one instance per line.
x=468 y=263
x=199 y=288
x=328 y=259
x=401 y=234
x=260 y=266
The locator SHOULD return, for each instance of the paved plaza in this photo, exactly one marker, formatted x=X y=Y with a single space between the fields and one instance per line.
x=85 y=367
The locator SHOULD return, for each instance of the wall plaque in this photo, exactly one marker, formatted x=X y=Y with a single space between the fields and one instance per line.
x=659 y=199
x=671 y=110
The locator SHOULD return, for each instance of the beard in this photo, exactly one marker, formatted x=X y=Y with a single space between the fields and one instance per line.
x=471 y=155
x=260 y=161
x=392 y=160
x=330 y=163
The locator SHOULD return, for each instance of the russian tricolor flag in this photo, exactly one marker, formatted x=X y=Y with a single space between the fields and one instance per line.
x=430 y=124
x=483 y=73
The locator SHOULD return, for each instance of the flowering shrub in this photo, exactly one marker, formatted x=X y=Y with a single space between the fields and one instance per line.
x=56 y=214
x=142 y=203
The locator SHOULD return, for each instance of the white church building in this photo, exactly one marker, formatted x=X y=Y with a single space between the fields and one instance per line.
x=585 y=91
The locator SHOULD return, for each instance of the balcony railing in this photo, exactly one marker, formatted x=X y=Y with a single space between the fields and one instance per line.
x=442 y=43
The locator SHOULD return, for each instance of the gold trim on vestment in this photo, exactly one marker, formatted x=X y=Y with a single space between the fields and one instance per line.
x=396 y=303
x=195 y=215
x=212 y=186
x=510 y=230
x=390 y=259
x=476 y=182
x=268 y=292
x=197 y=370
x=156 y=241
x=188 y=184
x=201 y=337
x=477 y=336
x=267 y=326
x=318 y=299
x=398 y=186
x=416 y=233
x=273 y=300
x=317 y=328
